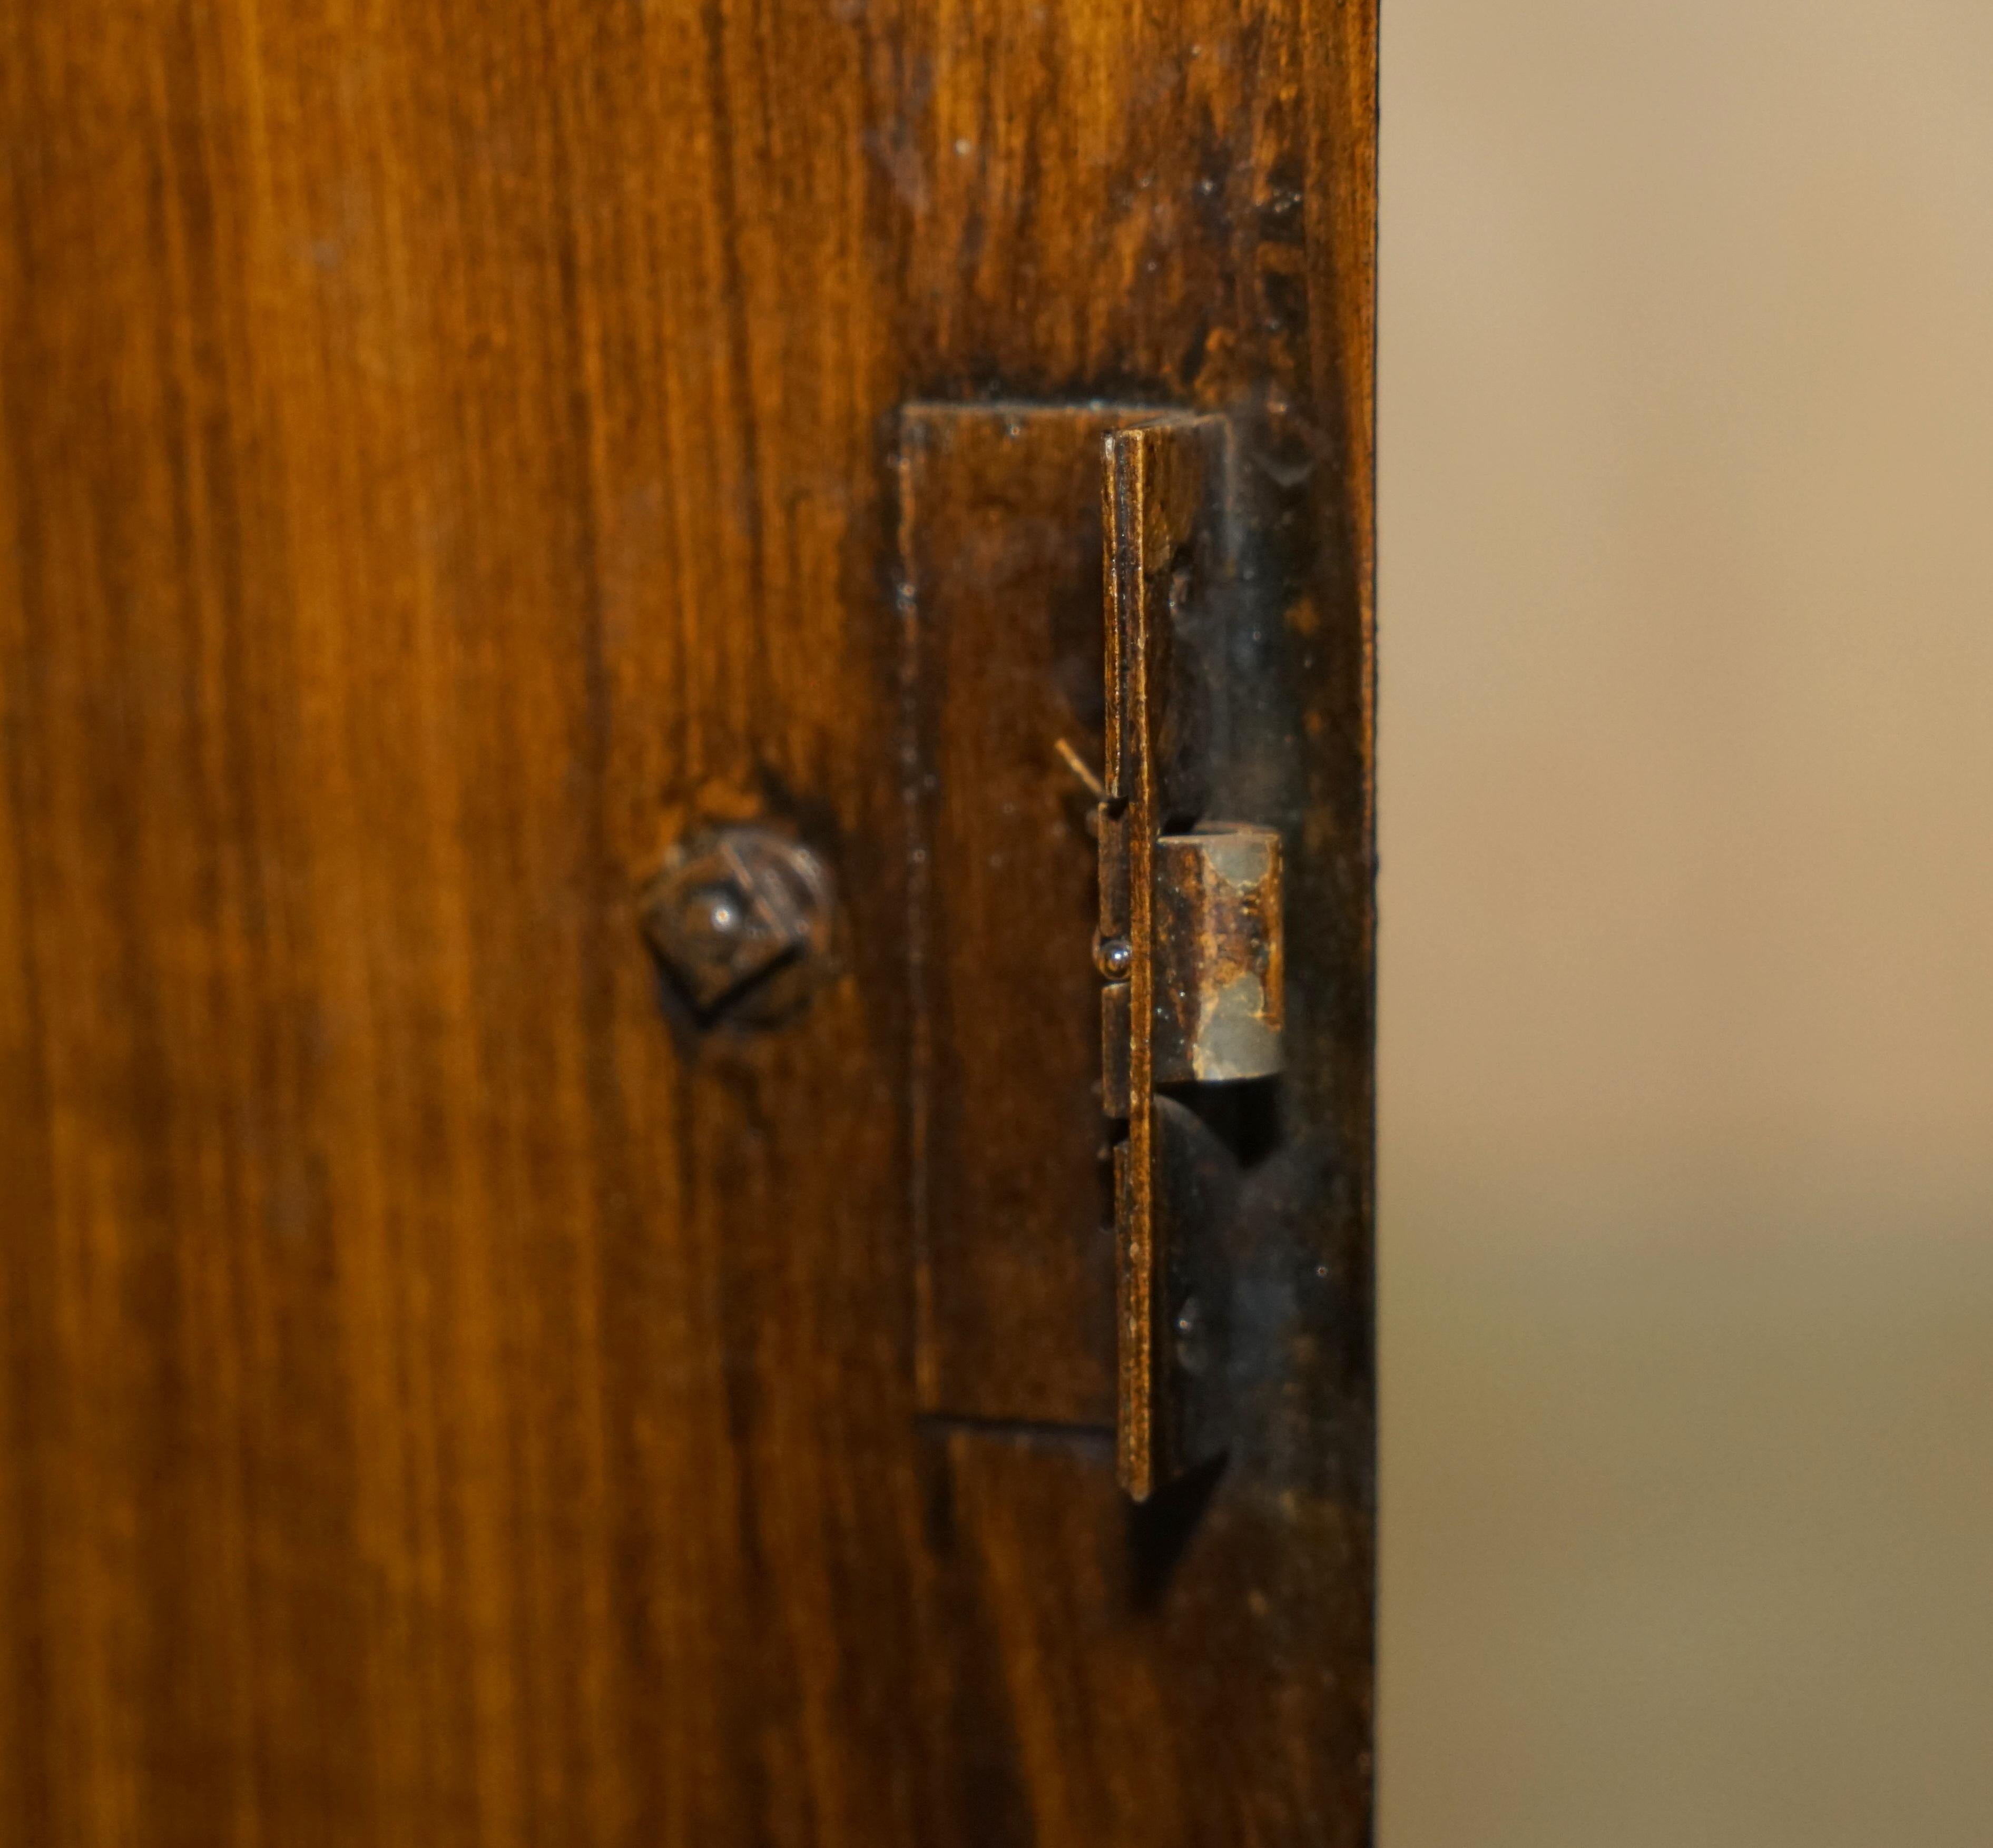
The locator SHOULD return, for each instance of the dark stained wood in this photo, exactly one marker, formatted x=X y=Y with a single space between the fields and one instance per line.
x=1001 y=553
x=439 y=1404
x=1146 y=1691
x=1002 y=558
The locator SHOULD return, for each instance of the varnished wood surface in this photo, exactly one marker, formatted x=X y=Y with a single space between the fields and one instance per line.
x=438 y=1405
x=1002 y=560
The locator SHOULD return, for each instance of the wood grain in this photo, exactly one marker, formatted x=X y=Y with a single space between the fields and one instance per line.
x=1002 y=555
x=437 y=1405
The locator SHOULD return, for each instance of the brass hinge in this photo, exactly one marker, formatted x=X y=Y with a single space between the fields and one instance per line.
x=1190 y=935
x=1029 y=1308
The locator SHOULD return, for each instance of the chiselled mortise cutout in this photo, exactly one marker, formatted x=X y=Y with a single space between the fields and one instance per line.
x=1070 y=573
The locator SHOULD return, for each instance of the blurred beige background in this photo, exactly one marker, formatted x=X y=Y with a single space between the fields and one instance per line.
x=1687 y=1214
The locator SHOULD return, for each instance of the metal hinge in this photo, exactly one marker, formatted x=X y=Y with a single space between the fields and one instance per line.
x=1190 y=935
x=1030 y=1309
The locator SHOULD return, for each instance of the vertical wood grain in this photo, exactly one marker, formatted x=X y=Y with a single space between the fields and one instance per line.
x=438 y=1406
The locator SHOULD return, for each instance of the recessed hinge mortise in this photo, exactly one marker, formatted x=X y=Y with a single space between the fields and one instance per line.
x=1081 y=586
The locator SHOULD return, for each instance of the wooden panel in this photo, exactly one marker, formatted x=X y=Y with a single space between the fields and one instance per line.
x=437 y=1406
x=1001 y=545
x=1107 y=1672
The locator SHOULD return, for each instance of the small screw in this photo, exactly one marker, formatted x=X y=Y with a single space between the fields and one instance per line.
x=1193 y=1347
x=713 y=920
x=1114 y=959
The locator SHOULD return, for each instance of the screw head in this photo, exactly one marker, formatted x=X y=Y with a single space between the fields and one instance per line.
x=712 y=922
x=1114 y=957
x=739 y=916
x=1193 y=1340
